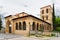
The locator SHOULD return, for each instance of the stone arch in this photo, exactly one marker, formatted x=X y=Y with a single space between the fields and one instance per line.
x=46 y=10
x=24 y=25
x=41 y=27
x=20 y=26
x=8 y=23
x=37 y=26
x=33 y=26
x=17 y=26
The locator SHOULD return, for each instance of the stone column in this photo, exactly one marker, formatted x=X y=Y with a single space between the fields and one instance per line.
x=30 y=27
x=36 y=29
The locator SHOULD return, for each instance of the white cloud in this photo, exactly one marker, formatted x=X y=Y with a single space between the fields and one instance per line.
x=29 y=6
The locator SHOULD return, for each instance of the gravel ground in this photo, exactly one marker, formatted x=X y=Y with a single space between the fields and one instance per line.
x=19 y=37
x=8 y=36
x=35 y=38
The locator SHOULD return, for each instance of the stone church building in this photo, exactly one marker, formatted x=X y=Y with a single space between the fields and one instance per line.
x=25 y=24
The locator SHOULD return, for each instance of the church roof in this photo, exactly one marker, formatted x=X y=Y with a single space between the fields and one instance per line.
x=8 y=16
x=16 y=14
x=46 y=6
x=21 y=13
x=33 y=17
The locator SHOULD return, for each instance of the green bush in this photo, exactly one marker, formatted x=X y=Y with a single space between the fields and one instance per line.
x=32 y=34
x=52 y=34
x=58 y=29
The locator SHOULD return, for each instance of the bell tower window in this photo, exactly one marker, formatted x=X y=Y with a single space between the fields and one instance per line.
x=42 y=11
x=46 y=10
x=46 y=17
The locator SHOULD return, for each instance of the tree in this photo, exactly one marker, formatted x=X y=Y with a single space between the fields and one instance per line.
x=53 y=18
x=57 y=20
x=57 y=24
x=0 y=22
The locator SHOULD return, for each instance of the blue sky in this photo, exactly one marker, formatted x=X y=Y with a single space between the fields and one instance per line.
x=12 y=7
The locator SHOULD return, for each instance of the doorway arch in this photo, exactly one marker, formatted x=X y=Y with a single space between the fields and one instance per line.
x=33 y=26
x=9 y=26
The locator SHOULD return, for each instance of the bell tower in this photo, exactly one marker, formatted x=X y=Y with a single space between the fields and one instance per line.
x=46 y=14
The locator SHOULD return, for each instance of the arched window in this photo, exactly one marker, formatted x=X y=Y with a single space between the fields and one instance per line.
x=46 y=17
x=46 y=10
x=33 y=26
x=42 y=11
x=9 y=23
x=41 y=27
x=16 y=26
x=24 y=25
x=37 y=26
x=20 y=26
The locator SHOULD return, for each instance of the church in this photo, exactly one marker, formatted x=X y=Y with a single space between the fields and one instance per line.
x=25 y=24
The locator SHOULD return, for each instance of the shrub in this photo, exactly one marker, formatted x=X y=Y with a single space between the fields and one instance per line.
x=58 y=29
x=52 y=34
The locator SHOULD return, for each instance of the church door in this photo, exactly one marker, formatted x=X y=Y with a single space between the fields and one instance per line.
x=9 y=29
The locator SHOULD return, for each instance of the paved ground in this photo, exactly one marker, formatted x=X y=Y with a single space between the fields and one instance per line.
x=19 y=37
x=8 y=36
x=35 y=38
